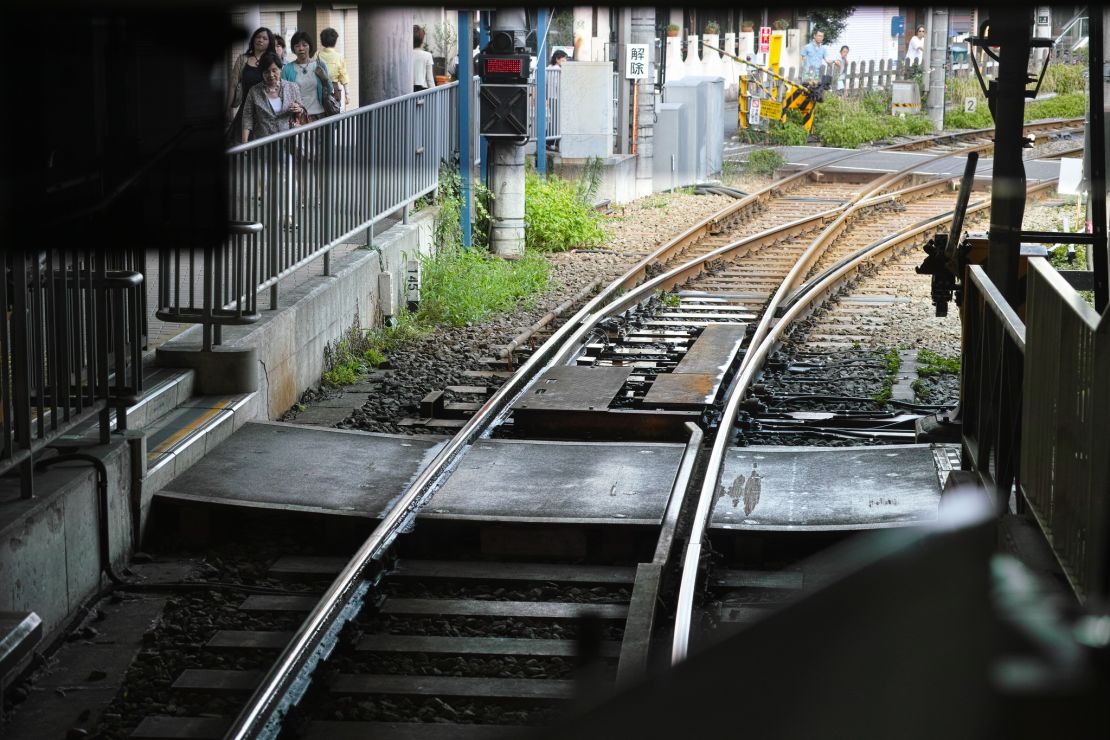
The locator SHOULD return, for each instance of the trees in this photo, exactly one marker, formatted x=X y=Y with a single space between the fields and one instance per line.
x=830 y=20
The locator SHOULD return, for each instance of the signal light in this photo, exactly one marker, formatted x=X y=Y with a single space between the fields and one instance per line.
x=496 y=65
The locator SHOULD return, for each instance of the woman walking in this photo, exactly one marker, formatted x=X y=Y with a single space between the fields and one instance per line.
x=422 y=62
x=309 y=75
x=270 y=105
x=245 y=74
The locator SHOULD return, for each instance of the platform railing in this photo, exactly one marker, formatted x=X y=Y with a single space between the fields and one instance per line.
x=71 y=340
x=1065 y=461
x=310 y=189
x=991 y=383
x=552 y=81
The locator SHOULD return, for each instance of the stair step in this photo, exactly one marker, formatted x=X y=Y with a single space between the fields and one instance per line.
x=249 y=639
x=477 y=646
x=331 y=730
x=501 y=688
x=528 y=609
x=181 y=728
x=217 y=681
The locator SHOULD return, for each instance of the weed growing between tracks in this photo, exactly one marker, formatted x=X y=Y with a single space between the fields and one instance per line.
x=937 y=376
x=764 y=161
x=893 y=363
x=849 y=123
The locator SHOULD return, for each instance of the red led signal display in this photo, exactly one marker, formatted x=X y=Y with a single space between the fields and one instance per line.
x=503 y=66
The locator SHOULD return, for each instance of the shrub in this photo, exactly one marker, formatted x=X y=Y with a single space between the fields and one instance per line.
x=1063 y=79
x=1070 y=105
x=848 y=123
x=461 y=286
x=981 y=118
x=555 y=219
x=447 y=230
x=764 y=161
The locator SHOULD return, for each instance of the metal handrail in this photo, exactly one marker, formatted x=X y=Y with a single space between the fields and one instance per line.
x=310 y=188
x=70 y=348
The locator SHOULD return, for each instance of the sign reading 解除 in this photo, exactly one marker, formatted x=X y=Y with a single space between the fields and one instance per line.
x=636 y=61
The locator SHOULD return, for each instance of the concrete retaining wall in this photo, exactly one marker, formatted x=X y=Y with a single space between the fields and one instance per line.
x=290 y=342
x=50 y=543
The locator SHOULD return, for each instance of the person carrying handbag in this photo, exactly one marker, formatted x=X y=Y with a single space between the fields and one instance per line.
x=310 y=76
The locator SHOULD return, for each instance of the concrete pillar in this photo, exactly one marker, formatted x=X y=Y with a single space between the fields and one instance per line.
x=583 y=33
x=711 y=60
x=643 y=32
x=935 y=64
x=675 y=68
x=693 y=56
x=506 y=182
x=730 y=67
x=384 y=53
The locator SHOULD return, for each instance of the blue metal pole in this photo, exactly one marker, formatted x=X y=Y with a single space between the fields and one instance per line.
x=466 y=163
x=541 y=92
x=483 y=144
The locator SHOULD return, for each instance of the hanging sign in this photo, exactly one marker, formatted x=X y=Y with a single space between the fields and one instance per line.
x=753 y=112
x=764 y=39
x=635 y=61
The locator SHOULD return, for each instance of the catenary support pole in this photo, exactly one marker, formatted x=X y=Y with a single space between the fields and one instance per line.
x=466 y=167
x=541 y=91
x=935 y=63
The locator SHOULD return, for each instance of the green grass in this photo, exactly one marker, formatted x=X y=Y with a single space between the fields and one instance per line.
x=922 y=391
x=461 y=287
x=932 y=363
x=849 y=123
x=1067 y=105
x=764 y=161
x=557 y=216
x=893 y=364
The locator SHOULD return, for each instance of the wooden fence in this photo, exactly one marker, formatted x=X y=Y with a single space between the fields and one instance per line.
x=863 y=76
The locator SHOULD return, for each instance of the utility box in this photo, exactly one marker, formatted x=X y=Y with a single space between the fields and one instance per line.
x=673 y=154
x=905 y=97
x=705 y=98
x=587 y=129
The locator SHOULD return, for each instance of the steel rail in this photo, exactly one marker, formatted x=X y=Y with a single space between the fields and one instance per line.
x=753 y=361
x=684 y=611
x=289 y=677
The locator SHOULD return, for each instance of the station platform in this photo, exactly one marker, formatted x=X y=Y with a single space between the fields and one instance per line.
x=351 y=473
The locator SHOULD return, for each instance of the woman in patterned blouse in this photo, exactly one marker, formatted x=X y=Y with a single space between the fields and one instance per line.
x=270 y=105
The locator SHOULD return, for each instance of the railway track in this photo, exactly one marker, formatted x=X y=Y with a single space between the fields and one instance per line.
x=475 y=629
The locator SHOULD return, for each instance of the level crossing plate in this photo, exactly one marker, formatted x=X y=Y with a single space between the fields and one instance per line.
x=827 y=488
